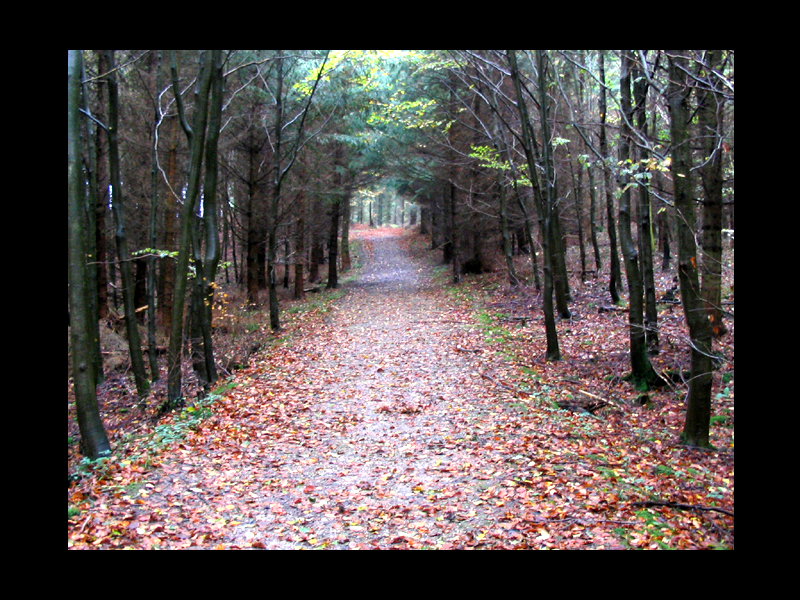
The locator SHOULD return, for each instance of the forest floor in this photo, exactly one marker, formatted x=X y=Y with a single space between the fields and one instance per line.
x=405 y=412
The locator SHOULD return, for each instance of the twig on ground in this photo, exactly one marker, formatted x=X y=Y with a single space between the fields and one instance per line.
x=682 y=506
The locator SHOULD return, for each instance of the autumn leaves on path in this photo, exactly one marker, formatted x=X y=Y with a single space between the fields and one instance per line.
x=356 y=435
x=392 y=418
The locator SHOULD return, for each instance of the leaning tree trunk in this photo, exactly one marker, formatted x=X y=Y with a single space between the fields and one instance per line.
x=94 y=441
x=196 y=135
x=552 y=351
x=698 y=403
x=118 y=209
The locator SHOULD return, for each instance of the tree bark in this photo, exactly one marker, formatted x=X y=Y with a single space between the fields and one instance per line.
x=642 y=372
x=545 y=211
x=698 y=403
x=95 y=238
x=207 y=250
x=118 y=209
x=615 y=270
x=333 y=244
x=196 y=135
x=710 y=119
x=640 y=88
x=275 y=198
x=152 y=355
x=94 y=441
x=300 y=249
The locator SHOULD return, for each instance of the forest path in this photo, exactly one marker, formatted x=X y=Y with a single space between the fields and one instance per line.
x=365 y=434
x=396 y=420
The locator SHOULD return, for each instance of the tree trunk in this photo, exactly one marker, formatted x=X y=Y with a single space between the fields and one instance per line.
x=196 y=136
x=118 y=208
x=300 y=249
x=152 y=355
x=698 y=403
x=710 y=119
x=206 y=261
x=578 y=188
x=615 y=270
x=170 y=227
x=275 y=198
x=642 y=372
x=253 y=235
x=513 y=280
x=640 y=87
x=598 y=261
x=545 y=211
x=558 y=262
x=95 y=243
x=347 y=262
x=333 y=243
x=94 y=441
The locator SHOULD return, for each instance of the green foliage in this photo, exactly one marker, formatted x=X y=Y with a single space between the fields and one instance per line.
x=155 y=252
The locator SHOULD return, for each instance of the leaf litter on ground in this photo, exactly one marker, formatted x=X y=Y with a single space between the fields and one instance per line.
x=393 y=420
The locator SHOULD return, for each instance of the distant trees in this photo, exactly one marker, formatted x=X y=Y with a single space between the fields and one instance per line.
x=634 y=140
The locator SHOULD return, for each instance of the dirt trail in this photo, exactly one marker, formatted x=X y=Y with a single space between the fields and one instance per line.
x=395 y=387
x=390 y=422
x=362 y=440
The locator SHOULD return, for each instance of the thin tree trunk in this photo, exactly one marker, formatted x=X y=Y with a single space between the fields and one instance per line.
x=333 y=243
x=640 y=87
x=615 y=270
x=151 y=271
x=558 y=262
x=598 y=261
x=170 y=227
x=545 y=211
x=253 y=236
x=347 y=262
x=578 y=187
x=196 y=136
x=94 y=240
x=118 y=208
x=275 y=198
x=300 y=249
x=207 y=270
x=504 y=232
x=642 y=372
